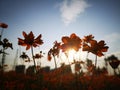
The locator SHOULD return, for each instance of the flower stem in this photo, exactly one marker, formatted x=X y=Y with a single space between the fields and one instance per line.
x=95 y=61
x=3 y=59
x=33 y=59
x=87 y=55
x=55 y=62
x=1 y=34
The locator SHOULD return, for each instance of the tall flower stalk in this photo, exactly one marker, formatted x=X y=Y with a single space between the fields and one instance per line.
x=96 y=48
x=54 y=51
x=71 y=43
x=5 y=44
x=30 y=41
x=86 y=40
x=33 y=58
x=39 y=56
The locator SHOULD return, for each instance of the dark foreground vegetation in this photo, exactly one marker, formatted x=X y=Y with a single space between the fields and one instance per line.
x=55 y=80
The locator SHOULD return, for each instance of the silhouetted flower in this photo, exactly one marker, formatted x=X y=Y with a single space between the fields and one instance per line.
x=54 y=52
x=95 y=47
x=5 y=44
x=88 y=38
x=114 y=63
x=24 y=55
x=29 y=40
x=3 y=25
x=72 y=42
x=38 y=55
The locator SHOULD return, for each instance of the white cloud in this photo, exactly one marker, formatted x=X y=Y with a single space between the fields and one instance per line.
x=71 y=9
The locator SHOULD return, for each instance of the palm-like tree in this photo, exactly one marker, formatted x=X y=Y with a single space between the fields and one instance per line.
x=30 y=41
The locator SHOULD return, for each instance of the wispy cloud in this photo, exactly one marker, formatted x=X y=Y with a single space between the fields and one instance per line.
x=113 y=41
x=114 y=37
x=71 y=9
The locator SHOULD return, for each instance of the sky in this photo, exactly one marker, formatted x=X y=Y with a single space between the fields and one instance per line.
x=56 y=18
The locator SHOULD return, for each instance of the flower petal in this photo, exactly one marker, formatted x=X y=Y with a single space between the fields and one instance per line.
x=24 y=34
x=93 y=43
x=65 y=39
x=104 y=49
x=101 y=43
x=21 y=42
x=49 y=57
x=3 y=25
x=28 y=47
x=73 y=35
x=86 y=47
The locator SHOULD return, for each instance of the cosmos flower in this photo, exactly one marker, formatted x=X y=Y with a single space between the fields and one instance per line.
x=6 y=44
x=114 y=63
x=29 y=40
x=24 y=55
x=88 y=38
x=95 y=47
x=72 y=42
x=54 y=51
x=37 y=56
x=3 y=25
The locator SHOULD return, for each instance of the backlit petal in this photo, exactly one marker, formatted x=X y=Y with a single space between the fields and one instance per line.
x=24 y=34
x=65 y=40
x=28 y=47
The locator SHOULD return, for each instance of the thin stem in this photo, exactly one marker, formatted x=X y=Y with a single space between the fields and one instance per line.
x=3 y=58
x=1 y=34
x=95 y=61
x=33 y=59
x=87 y=55
x=115 y=72
x=68 y=60
x=55 y=62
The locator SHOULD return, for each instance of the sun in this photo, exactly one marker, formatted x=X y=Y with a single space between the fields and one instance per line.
x=71 y=55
